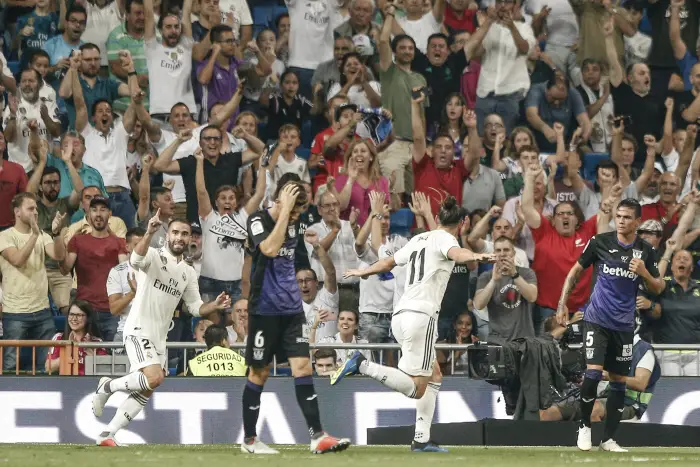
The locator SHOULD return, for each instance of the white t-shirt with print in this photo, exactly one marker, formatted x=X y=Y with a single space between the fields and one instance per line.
x=297 y=166
x=169 y=71
x=107 y=154
x=223 y=238
x=421 y=29
x=378 y=292
x=324 y=301
x=18 y=150
x=241 y=15
x=311 y=35
x=356 y=95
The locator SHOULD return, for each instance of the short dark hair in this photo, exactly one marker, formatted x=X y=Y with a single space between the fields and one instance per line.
x=89 y=46
x=279 y=19
x=591 y=61
x=310 y=270
x=19 y=198
x=502 y=239
x=37 y=75
x=451 y=213
x=49 y=171
x=75 y=9
x=98 y=102
x=180 y=104
x=217 y=31
x=438 y=35
x=223 y=188
x=631 y=203
x=38 y=53
x=325 y=353
x=286 y=178
x=633 y=140
x=527 y=148
x=165 y=13
x=395 y=41
x=180 y=220
x=134 y=232
x=214 y=335
x=156 y=191
x=302 y=198
x=211 y=127
x=608 y=164
x=131 y=2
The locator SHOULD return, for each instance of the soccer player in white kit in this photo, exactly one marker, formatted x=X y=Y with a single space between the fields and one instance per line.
x=163 y=279
x=429 y=259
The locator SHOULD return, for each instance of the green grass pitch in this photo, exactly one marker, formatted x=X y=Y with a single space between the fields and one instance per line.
x=63 y=455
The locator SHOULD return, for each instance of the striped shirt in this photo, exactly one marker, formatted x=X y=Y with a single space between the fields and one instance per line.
x=118 y=40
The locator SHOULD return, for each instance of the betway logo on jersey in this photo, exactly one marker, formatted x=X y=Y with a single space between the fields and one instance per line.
x=170 y=289
x=286 y=253
x=619 y=272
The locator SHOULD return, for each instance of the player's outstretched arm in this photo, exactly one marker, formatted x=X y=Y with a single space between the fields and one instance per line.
x=222 y=302
x=462 y=255
x=569 y=284
x=383 y=265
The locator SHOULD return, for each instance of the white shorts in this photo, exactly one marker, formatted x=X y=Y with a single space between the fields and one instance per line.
x=416 y=333
x=143 y=353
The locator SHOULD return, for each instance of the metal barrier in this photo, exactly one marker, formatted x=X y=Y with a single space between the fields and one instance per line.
x=685 y=357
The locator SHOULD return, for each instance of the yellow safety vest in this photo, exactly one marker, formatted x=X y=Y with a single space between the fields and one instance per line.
x=218 y=361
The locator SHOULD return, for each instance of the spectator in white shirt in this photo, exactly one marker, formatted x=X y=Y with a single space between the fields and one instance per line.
x=320 y=306
x=242 y=19
x=504 y=80
x=337 y=237
x=26 y=115
x=106 y=143
x=347 y=334
x=284 y=159
x=223 y=234
x=169 y=61
x=419 y=25
x=101 y=20
x=378 y=293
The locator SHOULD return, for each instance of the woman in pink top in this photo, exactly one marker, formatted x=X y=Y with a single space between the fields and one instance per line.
x=360 y=176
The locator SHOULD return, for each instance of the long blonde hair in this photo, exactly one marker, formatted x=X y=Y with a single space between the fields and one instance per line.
x=510 y=150
x=374 y=173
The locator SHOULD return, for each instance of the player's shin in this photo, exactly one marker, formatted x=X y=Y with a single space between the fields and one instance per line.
x=589 y=391
x=425 y=408
x=614 y=407
x=135 y=381
x=308 y=402
x=390 y=377
x=126 y=412
x=251 y=408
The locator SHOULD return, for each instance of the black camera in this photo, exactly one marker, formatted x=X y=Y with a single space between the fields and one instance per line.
x=486 y=361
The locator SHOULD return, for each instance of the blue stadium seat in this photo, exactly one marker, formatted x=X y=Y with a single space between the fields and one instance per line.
x=14 y=67
x=60 y=323
x=591 y=161
x=401 y=222
x=264 y=16
x=304 y=152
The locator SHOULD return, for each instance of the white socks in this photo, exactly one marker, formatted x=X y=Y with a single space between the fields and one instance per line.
x=390 y=377
x=126 y=412
x=425 y=409
x=133 y=382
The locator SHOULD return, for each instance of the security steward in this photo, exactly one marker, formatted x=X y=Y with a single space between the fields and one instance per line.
x=218 y=359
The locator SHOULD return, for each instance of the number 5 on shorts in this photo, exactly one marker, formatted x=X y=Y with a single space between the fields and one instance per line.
x=589 y=338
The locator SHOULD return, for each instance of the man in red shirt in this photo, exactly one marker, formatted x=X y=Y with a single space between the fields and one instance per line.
x=437 y=175
x=13 y=180
x=558 y=245
x=93 y=255
x=329 y=146
x=460 y=16
x=666 y=209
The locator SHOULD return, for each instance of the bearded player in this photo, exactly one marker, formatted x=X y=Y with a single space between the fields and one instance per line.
x=163 y=279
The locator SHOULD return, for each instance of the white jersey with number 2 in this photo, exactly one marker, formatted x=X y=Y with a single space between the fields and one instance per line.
x=427 y=271
x=161 y=282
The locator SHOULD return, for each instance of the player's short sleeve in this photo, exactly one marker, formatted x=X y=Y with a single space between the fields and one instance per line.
x=445 y=242
x=402 y=256
x=114 y=285
x=257 y=231
x=652 y=263
x=590 y=253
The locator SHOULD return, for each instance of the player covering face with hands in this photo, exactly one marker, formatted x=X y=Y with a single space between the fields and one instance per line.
x=429 y=259
x=623 y=261
x=276 y=319
x=163 y=279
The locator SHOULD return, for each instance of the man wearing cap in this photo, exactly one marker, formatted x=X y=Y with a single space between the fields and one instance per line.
x=93 y=255
x=652 y=231
x=115 y=225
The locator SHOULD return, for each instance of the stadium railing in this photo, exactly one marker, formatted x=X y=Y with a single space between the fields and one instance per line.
x=117 y=363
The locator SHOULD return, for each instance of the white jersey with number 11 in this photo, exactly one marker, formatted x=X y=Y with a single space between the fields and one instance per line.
x=428 y=270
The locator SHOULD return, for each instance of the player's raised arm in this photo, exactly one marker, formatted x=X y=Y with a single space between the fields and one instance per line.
x=463 y=255
x=139 y=257
x=287 y=200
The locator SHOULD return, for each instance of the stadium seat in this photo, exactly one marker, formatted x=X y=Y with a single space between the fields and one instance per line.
x=303 y=152
x=591 y=161
x=14 y=67
x=60 y=322
x=401 y=222
x=264 y=16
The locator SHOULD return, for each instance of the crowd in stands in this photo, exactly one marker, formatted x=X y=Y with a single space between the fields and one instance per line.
x=538 y=116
